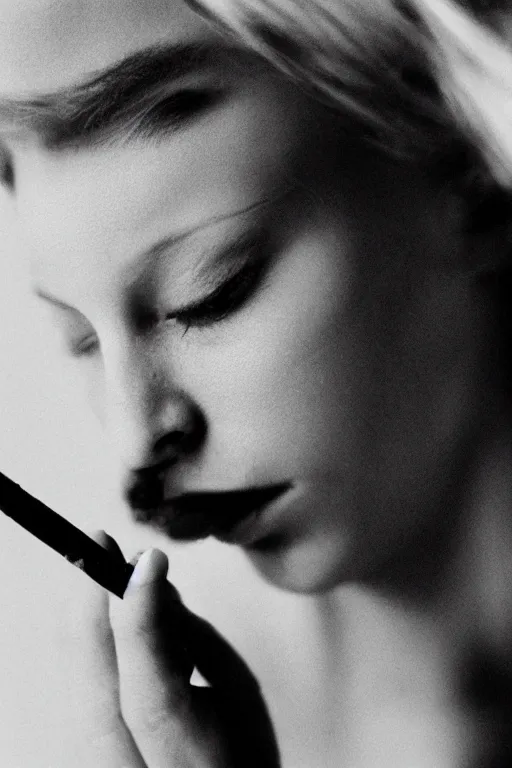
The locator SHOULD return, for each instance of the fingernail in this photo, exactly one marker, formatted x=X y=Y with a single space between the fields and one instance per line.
x=151 y=566
x=135 y=559
x=99 y=536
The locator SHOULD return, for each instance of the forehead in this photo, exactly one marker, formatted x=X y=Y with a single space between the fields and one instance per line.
x=50 y=44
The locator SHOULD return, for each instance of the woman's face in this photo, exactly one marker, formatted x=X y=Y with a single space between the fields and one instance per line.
x=251 y=298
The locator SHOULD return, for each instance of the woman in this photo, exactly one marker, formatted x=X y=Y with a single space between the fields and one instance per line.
x=275 y=236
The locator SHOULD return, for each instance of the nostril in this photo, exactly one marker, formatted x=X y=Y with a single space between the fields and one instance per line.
x=146 y=491
x=176 y=443
x=145 y=494
x=170 y=444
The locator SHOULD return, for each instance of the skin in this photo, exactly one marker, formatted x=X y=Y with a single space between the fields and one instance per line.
x=355 y=372
x=371 y=442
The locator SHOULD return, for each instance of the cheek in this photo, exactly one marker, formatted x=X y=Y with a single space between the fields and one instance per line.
x=274 y=390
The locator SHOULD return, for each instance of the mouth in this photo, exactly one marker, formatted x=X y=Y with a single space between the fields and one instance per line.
x=226 y=515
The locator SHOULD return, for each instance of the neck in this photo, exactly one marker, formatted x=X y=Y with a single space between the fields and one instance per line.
x=403 y=656
x=460 y=567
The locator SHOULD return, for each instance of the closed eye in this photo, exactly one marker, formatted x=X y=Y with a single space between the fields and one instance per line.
x=85 y=348
x=220 y=304
x=225 y=300
x=217 y=306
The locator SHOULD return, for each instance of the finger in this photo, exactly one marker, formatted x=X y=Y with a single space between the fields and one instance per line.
x=106 y=741
x=216 y=659
x=135 y=559
x=235 y=696
x=156 y=699
x=107 y=542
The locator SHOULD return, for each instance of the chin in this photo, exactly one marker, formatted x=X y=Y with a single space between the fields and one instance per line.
x=305 y=566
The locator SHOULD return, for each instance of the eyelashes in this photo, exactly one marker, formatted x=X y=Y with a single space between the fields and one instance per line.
x=224 y=300
x=85 y=348
x=219 y=305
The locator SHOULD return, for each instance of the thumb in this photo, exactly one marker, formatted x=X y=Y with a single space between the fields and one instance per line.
x=151 y=611
x=154 y=667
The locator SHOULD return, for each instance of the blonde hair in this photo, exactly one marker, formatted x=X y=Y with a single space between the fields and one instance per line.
x=427 y=80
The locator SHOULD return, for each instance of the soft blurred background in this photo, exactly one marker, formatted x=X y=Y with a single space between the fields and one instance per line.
x=50 y=444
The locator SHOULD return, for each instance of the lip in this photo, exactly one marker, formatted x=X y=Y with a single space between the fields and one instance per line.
x=227 y=515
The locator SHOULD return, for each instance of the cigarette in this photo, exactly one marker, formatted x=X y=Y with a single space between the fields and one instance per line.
x=62 y=536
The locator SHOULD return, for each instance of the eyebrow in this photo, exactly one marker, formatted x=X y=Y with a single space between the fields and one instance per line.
x=126 y=100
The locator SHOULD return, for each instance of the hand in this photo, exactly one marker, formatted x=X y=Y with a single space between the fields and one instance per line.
x=137 y=707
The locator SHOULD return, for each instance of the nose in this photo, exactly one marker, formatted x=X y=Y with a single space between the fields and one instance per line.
x=149 y=420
